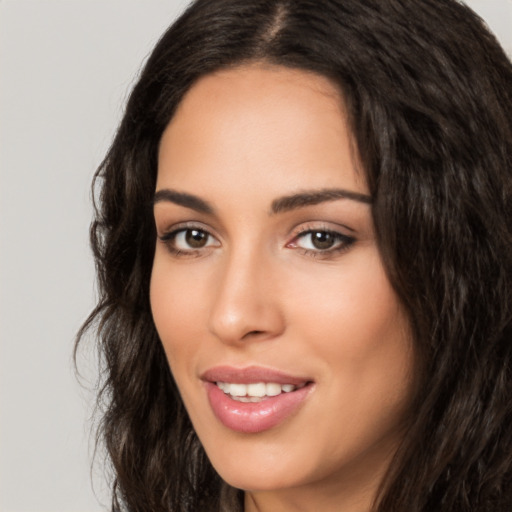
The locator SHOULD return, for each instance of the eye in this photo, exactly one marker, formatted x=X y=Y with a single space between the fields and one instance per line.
x=188 y=240
x=192 y=239
x=322 y=241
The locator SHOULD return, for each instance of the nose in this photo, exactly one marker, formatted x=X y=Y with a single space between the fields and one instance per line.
x=246 y=303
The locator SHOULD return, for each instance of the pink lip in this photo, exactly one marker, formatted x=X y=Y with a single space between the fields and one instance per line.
x=251 y=374
x=250 y=417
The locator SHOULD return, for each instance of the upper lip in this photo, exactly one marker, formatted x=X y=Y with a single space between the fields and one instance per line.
x=250 y=375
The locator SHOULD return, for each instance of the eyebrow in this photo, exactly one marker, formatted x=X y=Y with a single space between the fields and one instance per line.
x=312 y=197
x=183 y=199
x=279 y=205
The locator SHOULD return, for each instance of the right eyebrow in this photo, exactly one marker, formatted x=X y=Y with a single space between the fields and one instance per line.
x=183 y=199
x=312 y=197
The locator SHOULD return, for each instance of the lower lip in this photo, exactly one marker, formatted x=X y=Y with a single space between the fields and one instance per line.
x=253 y=417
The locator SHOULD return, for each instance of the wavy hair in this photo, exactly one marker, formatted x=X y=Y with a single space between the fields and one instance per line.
x=429 y=94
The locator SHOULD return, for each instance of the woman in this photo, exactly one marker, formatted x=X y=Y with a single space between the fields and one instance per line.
x=303 y=247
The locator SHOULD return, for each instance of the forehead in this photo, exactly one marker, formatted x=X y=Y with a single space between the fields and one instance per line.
x=259 y=121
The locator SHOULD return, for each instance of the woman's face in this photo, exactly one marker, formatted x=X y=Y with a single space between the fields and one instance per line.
x=289 y=347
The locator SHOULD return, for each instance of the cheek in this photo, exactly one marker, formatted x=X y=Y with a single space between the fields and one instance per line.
x=175 y=307
x=355 y=306
x=354 y=325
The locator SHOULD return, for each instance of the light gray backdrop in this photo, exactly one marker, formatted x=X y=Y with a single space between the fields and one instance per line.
x=65 y=69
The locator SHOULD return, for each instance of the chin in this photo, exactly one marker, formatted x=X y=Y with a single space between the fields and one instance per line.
x=263 y=473
x=256 y=481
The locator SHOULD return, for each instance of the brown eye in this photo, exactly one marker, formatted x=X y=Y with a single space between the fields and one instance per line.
x=322 y=240
x=187 y=241
x=195 y=238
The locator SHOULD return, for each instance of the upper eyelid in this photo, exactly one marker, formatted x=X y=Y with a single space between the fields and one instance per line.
x=294 y=232
x=334 y=232
x=321 y=230
x=182 y=226
x=312 y=226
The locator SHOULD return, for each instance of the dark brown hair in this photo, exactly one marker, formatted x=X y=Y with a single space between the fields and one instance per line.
x=428 y=89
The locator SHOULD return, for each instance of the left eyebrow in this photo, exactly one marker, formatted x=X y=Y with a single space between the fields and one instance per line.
x=312 y=197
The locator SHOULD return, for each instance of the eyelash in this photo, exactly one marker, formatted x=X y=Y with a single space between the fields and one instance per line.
x=169 y=239
x=342 y=242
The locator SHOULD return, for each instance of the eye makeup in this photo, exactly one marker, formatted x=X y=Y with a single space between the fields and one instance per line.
x=321 y=242
x=314 y=240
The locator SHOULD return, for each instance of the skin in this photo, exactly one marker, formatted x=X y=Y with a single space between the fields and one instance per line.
x=259 y=292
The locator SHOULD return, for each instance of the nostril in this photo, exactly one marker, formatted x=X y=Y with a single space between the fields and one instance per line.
x=254 y=333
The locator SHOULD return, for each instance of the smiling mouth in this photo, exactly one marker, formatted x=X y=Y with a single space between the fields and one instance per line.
x=256 y=392
x=254 y=399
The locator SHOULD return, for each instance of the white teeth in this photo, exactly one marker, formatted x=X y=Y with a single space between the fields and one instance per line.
x=273 y=389
x=256 y=391
x=246 y=398
x=238 y=389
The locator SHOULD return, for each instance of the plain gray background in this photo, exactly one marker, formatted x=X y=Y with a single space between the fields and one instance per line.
x=65 y=69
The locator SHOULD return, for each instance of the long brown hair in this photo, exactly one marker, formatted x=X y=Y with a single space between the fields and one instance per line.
x=429 y=91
